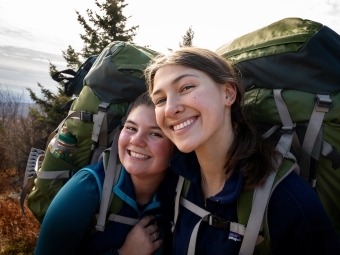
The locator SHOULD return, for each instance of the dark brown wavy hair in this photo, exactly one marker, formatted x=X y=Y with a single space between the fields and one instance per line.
x=249 y=153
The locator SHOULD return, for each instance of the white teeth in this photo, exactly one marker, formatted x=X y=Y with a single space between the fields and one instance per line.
x=183 y=125
x=138 y=155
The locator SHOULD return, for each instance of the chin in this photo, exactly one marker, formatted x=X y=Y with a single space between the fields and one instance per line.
x=185 y=148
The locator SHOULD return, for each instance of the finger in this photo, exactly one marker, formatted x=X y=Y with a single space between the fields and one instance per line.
x=151 y=229
x=146 y=220
x=157 y=244
x=155 y=236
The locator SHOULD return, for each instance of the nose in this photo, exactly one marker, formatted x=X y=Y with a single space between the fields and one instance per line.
x=173 y=107
x=138 y=140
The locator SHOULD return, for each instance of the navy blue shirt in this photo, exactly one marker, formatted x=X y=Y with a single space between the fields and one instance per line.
x=297 y=221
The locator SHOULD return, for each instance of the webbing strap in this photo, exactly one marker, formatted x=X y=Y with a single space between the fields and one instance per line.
x=178 y=196
x=53 y=174
x=99 y=120
x=123 y=219
x=100 y=131
x=205 y=216
x=270 y=131
x=312 y=131
x=288 y=126
x=108 y=183
x=261 y=198
x=282 y=109
x=26 y=189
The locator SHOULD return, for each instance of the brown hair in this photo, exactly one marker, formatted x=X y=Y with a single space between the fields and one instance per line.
x=249 y=153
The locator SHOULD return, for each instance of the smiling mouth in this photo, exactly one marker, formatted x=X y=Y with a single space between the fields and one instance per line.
x=184 y=124
x=138 y=155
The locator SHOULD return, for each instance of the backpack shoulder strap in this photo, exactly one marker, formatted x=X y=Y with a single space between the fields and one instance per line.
x=115 y=207
x=110 y=176
x=246 y=208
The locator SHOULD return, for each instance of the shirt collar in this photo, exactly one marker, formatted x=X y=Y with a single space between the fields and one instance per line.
x=186 y=165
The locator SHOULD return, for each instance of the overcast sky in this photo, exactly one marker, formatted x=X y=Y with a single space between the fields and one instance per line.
x=34 y=32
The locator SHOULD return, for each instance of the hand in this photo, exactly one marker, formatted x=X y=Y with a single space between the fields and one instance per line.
x=142 y=239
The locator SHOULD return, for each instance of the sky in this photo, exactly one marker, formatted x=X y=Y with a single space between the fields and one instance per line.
x=34 y=32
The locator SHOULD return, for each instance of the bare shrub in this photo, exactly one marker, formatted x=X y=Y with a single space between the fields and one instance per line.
x=18 y=234
x=18 y=131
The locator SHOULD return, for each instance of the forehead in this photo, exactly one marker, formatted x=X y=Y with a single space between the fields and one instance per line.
x=143 y=114
x=170 y=74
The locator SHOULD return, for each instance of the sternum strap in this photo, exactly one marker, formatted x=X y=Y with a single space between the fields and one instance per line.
x=211 y=219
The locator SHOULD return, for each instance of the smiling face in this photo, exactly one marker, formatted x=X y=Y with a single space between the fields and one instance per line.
x=144 y=150
x=192 y=109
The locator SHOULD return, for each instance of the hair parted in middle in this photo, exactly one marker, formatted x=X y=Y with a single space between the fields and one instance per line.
x=249 y=153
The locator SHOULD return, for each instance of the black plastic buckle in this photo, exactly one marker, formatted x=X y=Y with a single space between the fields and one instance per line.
x=86 y=116
x=321 y=101
x=287 y=130
x=218 y=222
x=103 y=107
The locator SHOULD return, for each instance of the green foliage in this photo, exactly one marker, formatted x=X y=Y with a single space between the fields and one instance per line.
x=101 y=29
x=48 y=110
x=72 y=58
x=187 y=38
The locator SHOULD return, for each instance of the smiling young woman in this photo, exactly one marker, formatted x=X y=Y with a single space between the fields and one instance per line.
x=145 y=188
x=199 y=105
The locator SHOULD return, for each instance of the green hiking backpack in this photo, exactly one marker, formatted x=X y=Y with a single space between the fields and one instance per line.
x=291 y=73
x=114 y=81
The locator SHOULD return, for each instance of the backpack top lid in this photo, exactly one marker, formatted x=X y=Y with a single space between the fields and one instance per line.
x=292 y=53
x=117 y=75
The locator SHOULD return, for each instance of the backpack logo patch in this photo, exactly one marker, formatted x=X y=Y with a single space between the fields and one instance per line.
x=235 y=237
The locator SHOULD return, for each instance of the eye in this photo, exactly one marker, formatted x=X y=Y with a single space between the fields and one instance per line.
x=159 y=101
x=187 y=87
x=156 y=134
x=130 y=128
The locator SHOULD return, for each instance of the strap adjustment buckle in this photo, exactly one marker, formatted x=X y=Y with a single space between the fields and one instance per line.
x=287 y=130
x=323 y=101
x=103 y=107
x=86 y=116
x=218 y=222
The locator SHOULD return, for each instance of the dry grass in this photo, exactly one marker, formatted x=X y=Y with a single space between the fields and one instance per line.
x=18 y=234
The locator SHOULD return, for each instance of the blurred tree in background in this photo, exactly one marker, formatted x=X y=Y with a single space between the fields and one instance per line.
x=187 y=39
x=100 y=29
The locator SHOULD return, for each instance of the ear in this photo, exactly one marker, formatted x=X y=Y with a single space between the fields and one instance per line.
x=230 y=93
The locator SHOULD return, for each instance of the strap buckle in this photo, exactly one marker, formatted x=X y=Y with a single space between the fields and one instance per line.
x=86 y=116
x=218 y=222
x=103 y=107
x=323 y=101
x=287 y=130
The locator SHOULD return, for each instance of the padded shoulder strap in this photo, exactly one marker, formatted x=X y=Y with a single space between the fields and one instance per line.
x=110 y=177
x=245 y=210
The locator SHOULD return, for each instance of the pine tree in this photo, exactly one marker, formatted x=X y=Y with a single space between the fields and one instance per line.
x=101 y=29
x=50 y=111
x=187 y=38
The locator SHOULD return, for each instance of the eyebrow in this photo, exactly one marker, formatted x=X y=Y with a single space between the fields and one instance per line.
x=134 y=123
x=174 y=82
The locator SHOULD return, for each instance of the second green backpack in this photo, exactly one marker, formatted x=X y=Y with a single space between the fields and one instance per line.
x=115 y=80
x=291 y=73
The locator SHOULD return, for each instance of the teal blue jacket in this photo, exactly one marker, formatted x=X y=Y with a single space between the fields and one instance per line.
x=66 y=228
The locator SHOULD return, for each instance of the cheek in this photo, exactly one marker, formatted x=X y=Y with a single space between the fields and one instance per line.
x=165 y=152
x=122 y=142
x=159 y=116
